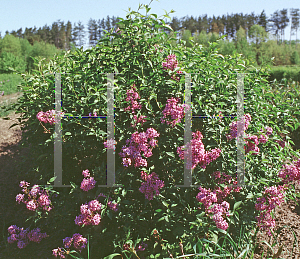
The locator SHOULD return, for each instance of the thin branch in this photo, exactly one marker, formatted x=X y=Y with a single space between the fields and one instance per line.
x=181 y=248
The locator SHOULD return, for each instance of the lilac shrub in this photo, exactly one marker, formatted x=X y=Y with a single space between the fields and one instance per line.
x=36 y=198
x=151 y=185
x=78 y=242
x=89 y=214
x=88 y=182
x=24 y=236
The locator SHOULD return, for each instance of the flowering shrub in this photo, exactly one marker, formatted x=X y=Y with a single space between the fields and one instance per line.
x=199 y=156
x=47 y=117
x=174 y=111
x=24 y=236
x=89 y=215
x=151 y=185
x=36 y=198
x=88 y=182
x=139 y=142
x=149 y=143
x=272 y=196
x=78 y=242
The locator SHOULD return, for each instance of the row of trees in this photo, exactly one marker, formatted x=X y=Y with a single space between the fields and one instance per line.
x=64 y=35
x=18 y=53
x=230 y=24
x=255 y=42
x=262 y=48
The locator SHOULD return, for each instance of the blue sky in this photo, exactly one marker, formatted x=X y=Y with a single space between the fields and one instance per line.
x=19 y=13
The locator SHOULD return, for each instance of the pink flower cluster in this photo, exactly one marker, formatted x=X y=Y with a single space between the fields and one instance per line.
x=233 y=127
x=272 y=196
x=221 y=179
x=175 y=111
x=141 y=247
x=88 y=182
x=199 y=155
x=139 y=142
x=141 y=120
x=269 y=130
x=217 y=196
x=251 y=141
x=171 y=63
x=132 y=96
x=36 y=197
x=78 y=241
x=113 y=206
x=48 y=117
x=207 y=198
x=264 y=138
x=291 y=172
x=89 y=215
x=24 y=236
x=152 y=184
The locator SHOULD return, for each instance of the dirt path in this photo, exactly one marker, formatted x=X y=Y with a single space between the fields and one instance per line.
x=13 y=169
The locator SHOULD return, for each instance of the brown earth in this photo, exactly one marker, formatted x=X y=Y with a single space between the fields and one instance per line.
x=13 y=169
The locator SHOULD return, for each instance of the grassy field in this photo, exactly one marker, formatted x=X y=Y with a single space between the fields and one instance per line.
x=9 y=92
x=9 y=82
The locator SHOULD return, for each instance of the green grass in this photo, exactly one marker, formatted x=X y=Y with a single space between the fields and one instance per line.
x=8 y=84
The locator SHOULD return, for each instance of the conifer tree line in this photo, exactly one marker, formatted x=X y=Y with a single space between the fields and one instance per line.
x=230 y=24
x=62 y=35
x=250 y=35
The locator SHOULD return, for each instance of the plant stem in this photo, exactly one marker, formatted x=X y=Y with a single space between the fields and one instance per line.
x=181 y=248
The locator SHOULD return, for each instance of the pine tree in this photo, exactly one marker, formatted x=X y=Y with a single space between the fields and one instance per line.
x=19 y=33
x=175 y=24
x=263 y=20
x=283 y=22
x=92 y=30
x=107 y=24
x=62 y=36
x=79 y=34
x=68 y=35
x=275 y=26
x=295 y=21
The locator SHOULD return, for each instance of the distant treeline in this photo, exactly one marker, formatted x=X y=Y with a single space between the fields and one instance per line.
x=250 y=35
x=62 y=35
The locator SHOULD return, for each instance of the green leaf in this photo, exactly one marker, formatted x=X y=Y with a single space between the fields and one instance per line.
x=170 y=154
x=52 y=179
x=249 y=196
x=165 y=204
x=237 y=204
x=112 y=256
